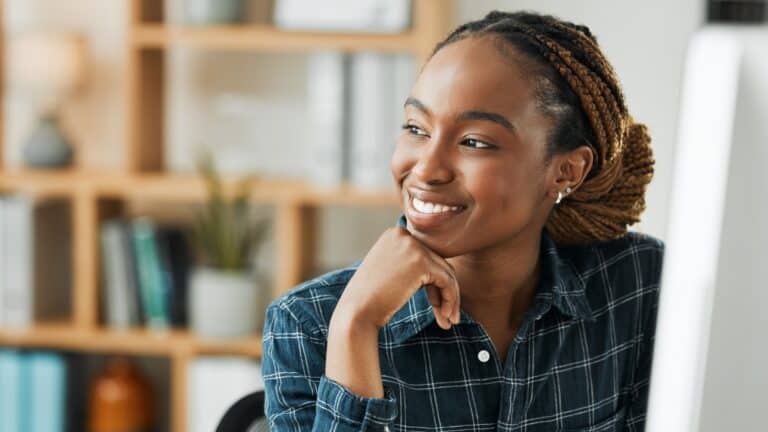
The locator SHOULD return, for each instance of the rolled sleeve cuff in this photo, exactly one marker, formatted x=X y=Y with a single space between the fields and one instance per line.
x=339 y=407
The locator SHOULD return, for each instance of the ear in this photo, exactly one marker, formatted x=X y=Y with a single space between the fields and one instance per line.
x=570 y=169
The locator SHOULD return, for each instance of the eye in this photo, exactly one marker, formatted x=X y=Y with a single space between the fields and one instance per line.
x=473 y=143
x=414 y=130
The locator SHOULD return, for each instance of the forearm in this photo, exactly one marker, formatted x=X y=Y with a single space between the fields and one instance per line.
x=352 y=356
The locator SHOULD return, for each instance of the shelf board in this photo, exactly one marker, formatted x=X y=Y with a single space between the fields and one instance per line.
x=268 y=38
x=187 y=188
x=41 y=183
x=134 y=341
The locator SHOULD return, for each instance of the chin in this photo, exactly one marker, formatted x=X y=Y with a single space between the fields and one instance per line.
x=446 y=248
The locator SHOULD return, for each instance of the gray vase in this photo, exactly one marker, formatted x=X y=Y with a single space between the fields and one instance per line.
x=206 y=12
x=46 y=146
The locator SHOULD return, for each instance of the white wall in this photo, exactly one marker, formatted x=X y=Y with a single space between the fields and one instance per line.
x=645 y=42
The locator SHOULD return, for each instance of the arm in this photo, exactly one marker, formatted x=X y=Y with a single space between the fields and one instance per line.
x=353 y=354
x=299 y=396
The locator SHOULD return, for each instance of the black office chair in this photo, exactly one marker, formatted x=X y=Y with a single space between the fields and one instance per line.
x=245 y=415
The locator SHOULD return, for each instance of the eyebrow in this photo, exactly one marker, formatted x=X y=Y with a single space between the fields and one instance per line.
x=466 y=115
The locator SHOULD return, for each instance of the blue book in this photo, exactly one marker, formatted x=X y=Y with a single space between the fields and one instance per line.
x=43 y=400
x=153 y=285
x=10 y=391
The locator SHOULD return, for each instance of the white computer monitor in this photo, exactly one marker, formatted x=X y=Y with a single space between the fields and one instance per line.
x=710 y=367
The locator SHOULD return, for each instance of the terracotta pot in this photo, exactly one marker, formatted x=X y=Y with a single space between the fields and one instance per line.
x=120 y=399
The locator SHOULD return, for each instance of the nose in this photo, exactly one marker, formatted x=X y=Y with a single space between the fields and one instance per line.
x=433 y=165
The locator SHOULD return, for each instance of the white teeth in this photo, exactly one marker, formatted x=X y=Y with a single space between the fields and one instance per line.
x=428 y=207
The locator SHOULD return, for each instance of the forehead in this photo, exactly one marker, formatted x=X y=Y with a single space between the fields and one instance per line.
x=474 y=74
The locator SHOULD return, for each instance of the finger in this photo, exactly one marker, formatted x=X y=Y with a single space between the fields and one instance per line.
x=456 y=317
x=443 y=282
x=449 y=289
x=433 y=293
x=442 y=274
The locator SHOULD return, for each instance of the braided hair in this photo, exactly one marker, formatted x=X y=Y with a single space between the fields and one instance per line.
x=578 y=89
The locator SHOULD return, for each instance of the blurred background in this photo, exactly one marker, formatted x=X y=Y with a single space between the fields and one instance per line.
x=168 y=167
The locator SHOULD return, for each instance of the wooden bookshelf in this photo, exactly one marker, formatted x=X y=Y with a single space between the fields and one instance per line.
x=98 y=195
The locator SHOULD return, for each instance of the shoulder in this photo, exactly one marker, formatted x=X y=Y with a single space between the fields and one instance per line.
x=311 y=303
x=635 y=256
x=622 y=275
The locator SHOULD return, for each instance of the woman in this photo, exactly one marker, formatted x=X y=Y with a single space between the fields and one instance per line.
x=510 y=295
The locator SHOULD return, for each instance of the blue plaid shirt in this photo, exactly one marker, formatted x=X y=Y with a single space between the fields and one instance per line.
x=581 y=360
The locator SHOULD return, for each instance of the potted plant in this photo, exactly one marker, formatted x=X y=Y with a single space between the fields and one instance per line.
x=226 y=300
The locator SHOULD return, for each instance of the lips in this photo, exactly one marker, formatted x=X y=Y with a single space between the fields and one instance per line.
x=425 y=221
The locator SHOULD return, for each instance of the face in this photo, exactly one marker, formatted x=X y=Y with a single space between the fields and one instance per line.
x=473 y=142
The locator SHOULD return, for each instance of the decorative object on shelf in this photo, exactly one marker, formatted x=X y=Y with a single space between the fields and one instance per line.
x=225 y=299
x=46 y=68
x=368 y=16
x=206 y=12
x=120 y=399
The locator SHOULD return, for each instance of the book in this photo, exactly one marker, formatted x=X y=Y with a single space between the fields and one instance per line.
x=379 y=86
x=369 y=16
x=18 y=260
x=215 y=383
x=10 y=391
x=153 y=285
x=175 y=262
x=120 y=293
x=326 y=103
x=44 y=390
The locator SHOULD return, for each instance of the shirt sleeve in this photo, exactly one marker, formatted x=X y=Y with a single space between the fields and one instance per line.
x=636 y=416
x=299 y=397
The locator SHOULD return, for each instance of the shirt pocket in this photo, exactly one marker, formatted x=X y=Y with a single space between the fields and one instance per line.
x=614 y=422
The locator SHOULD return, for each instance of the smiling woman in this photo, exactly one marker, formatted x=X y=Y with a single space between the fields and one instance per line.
x=510 y=295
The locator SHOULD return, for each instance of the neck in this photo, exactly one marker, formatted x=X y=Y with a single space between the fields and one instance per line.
x=501 y=281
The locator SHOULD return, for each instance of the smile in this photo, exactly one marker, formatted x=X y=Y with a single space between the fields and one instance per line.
x=425 y=215
x=431 y=208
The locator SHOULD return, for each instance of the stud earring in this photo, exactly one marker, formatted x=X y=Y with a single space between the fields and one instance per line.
x=560 y=195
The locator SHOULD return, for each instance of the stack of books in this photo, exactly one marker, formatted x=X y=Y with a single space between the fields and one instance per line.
x=34 y=392
x=355 y=107
x=146 y=274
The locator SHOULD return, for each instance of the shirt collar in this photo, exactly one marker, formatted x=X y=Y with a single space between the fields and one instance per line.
x=560 y=285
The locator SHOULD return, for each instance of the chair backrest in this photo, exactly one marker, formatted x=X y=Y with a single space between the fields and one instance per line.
x=245 y=415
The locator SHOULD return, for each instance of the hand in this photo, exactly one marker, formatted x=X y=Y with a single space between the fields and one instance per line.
x=393 y=269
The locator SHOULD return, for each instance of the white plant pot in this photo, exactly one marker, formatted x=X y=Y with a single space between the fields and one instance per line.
x=224 y=305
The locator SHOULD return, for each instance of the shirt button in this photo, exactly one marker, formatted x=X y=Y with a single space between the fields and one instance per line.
x=484 y=356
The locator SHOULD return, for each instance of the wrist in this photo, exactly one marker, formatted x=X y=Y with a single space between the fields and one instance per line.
x=352 y=320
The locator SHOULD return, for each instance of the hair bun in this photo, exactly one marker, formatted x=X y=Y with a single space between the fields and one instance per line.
x=606 y=204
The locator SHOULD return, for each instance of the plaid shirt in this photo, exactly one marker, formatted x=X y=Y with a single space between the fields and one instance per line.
x=581 y=359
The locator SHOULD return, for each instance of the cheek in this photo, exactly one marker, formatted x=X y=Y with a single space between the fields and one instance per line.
x=401 y=161
x=502 y=189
